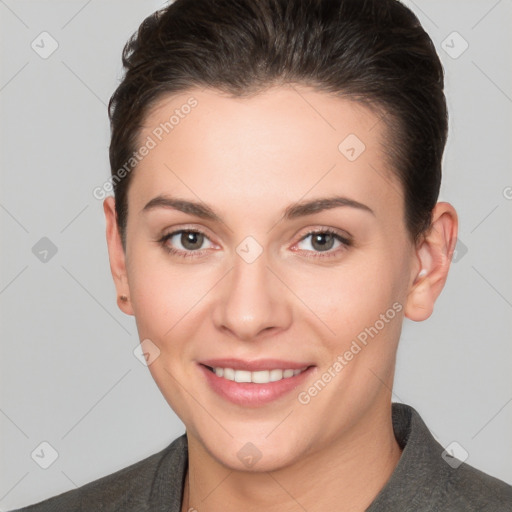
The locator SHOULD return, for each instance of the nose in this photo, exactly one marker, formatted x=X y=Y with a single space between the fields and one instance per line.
x=252 y=301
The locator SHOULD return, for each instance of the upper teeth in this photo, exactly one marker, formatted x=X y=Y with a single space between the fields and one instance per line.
x=259 y=377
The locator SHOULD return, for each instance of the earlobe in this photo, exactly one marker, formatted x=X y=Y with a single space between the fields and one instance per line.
x=420 y=302
x=434 y=254
x=117 y=257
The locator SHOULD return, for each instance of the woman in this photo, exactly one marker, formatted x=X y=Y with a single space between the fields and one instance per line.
x=276 y=168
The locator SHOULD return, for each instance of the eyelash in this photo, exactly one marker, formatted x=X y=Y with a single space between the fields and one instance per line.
x=346 y=242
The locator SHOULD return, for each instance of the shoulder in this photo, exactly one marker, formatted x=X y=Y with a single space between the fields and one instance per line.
x=137 y=487
x=429 y=479
x=455 y=483
x=469 y=489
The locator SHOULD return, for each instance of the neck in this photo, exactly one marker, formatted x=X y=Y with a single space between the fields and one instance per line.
x=347 y=475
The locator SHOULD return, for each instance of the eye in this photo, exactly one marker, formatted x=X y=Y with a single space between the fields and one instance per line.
x=190 y=240
x=189 y=243
x=324 y=240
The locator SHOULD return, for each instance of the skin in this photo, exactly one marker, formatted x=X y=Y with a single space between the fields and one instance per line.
x=249 y=159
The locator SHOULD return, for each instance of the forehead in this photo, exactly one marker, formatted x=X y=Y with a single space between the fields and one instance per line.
x=282 y=144
x=304 y=113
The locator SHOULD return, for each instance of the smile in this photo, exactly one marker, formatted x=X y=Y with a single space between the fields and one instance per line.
x=256 y=377
x=255 y=383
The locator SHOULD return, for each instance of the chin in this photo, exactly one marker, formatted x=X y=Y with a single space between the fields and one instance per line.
x=253 y=452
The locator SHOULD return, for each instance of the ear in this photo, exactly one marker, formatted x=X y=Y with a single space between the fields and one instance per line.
x=434 y=254
x=117 y=256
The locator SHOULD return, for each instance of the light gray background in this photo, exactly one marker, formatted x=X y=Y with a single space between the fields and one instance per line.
x=68 y=373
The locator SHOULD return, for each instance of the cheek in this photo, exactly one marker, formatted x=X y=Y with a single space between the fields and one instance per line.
x=168 y=299
x=350 y=297
x=154 y=301
x=157 y=293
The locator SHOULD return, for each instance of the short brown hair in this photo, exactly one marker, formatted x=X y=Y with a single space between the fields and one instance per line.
x=372 y=51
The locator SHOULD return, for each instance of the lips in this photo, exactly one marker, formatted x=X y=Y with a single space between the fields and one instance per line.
x=254 y=383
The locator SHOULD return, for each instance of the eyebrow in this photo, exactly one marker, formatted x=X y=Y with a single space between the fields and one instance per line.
x=293 y=211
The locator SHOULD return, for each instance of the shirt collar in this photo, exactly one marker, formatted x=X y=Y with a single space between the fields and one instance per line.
x=420 y=466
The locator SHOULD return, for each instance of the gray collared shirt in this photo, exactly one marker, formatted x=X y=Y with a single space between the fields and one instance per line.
x=425 y=480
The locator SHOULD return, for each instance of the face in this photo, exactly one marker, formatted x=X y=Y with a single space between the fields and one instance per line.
x=286 y=251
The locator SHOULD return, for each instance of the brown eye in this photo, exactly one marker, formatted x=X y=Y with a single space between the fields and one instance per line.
x=184 y=242
x=323 y=241
x=191 y=240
